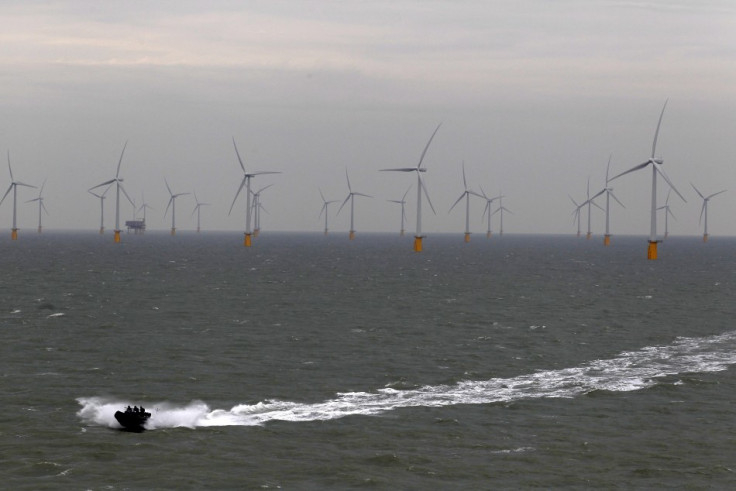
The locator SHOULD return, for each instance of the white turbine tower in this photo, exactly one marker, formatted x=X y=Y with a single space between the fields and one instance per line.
x=704 y=210
x=41 y=206
x=466 y=194
x=14 y=187
x=500 y=211
x=667 y=213
x=487 y=210
x=119 y=187
x=609 y=194
x=197 y=208
x=401 y=202
x=656 y=164
x=172 y=203
x=246 y=183
x=421 y=188
x=325 y=205
x=351 y=197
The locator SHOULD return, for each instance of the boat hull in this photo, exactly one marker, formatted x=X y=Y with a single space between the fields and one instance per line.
x=132 y=421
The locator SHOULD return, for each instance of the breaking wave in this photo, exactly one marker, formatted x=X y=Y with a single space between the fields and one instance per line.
x=629 y=371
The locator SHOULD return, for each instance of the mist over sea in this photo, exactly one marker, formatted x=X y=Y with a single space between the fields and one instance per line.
x=315 y=362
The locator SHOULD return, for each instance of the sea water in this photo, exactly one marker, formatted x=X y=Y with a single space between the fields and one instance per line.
x=315 y=362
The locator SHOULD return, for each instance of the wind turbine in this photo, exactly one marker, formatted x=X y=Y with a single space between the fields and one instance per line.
x=500 y=211
x=119 y=187
x=609 y=194
x=402 y=202
x=197 y=208
x=102 y=207
x=257 y=207
x=351 y=197
x=656 y=164
x=487 y=210
x=172 y=203
x=667 y=211
x=324 y=209
x=576 y=213
x=420 y=188
x=589 y=202
x=466 y=194
x=14 y=186
x=704 y=210
x=246 y=183
x=41 y=206
x=144 y=207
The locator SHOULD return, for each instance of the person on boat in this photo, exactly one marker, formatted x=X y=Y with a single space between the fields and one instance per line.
x=128 y=410
x=135 y=409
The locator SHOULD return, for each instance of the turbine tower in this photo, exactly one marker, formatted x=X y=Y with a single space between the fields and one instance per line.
x=466 y=194
x=246 y=183
x=667 y=212
x=41 y=206
x=197 y=208
x=576 y=213
x=656 y=164
x=14 y=187
x=351 y=197
x=609 y=194
x=401 y=202
x=704 y=210
x=119 y=187
x=420 y=188
x=487 y=210
x=172 y=203
x=324 y=209
x=102 y=207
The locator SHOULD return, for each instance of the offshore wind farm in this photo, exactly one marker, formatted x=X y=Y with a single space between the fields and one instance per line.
x=286 y=331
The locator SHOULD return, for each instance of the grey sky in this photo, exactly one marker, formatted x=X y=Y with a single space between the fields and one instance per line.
x=533 y=95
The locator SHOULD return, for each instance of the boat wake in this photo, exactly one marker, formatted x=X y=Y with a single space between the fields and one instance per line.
x=629 y=371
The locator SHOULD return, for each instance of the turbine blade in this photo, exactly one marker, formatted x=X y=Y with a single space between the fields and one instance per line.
x=121 y=159
x=697 y=191
x=664 y=176
x=6 y=194
x=702 y=209
x=403 y=198
x=656 y=133
x=635 y=168
x=43 y=206
x=238 y=155
x=716 y=194
x=24 y=184
x=424 y=188
x=598 y=194
x=617 y=201
x=608 y=167
x=126 y=194
x=167 y=186
x=103 y=184
x=10 y=168
x=421 y=159
x=361 y=194
x=348 y=179
x=168 y=205
x=465 y=182
x=343 y=203
x=400 y=169
x=456 y=202
x=323 y=196
x=242 y=184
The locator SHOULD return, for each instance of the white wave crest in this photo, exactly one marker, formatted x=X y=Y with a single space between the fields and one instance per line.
x=631 y=370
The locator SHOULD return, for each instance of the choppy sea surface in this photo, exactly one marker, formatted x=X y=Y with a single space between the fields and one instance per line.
x=313 y=362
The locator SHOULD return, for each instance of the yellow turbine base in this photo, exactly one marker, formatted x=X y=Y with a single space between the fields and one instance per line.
x=14 y=234
x=606 y=240
x=247 y=241
x=705 y=237
x=117 y=236
x=352 y=234
x=652 y=250
x=467 y=237
x=173 y=231
x=417 y=244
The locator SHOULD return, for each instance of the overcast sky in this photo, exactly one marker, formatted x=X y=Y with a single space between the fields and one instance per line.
x=534 y=96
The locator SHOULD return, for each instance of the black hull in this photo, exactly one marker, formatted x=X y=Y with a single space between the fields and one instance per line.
x=132 y=421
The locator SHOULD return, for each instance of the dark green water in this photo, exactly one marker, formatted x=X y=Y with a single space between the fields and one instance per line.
x=311 y=362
